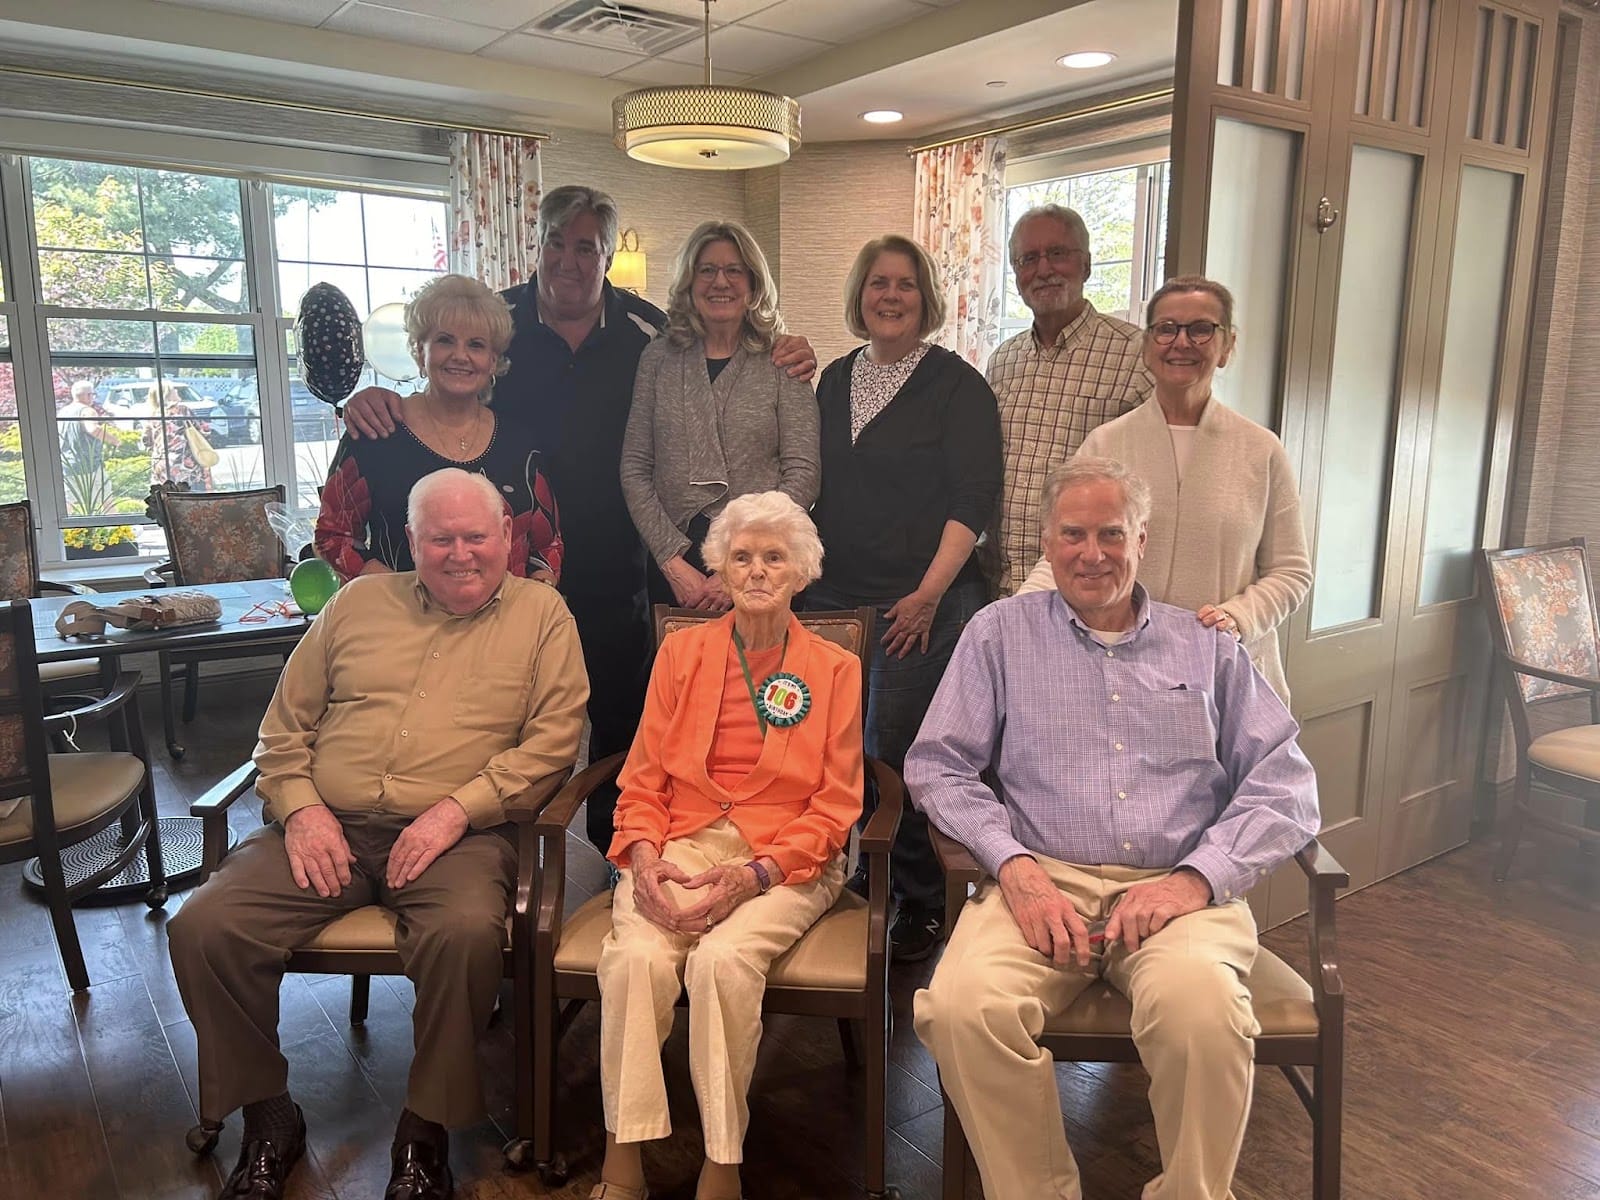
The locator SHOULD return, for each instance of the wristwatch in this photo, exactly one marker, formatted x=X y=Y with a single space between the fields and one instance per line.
x=763 y=880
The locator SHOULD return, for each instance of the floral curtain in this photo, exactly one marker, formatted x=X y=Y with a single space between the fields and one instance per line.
x=960 y=219
x=495 y=185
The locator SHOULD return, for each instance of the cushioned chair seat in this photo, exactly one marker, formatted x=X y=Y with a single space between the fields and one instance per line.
x=832 y=954
x=82 y=787
x=1282 y=1000
x=369 y=928
x=1574 y=751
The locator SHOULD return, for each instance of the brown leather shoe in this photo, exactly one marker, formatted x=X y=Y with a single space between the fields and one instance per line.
x=420 y=1172
x=264 y=1166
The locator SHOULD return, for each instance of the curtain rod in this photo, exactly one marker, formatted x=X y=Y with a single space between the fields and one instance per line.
x=1042 y=122
x=329 y=110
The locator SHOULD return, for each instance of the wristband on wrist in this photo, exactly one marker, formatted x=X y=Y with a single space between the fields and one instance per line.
x=763 y=880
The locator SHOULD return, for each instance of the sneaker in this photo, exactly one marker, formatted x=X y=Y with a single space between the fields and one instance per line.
x=916 y=933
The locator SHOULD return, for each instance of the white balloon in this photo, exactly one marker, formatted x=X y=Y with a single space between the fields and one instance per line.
x=384 y=336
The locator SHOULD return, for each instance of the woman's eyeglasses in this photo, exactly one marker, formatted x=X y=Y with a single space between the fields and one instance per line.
x=708 y=272
x=1200 y=332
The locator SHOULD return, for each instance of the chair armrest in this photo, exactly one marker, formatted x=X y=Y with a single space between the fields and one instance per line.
x=212 y=809
x=159 y=575
x=524 y=809
x=113 y=701
x=1585 y=682
x=554 y=817
x=1324 y=878
x=43 y=586
x=961 y=872
x=548 y=833
x=878 y=835
x=524 y=812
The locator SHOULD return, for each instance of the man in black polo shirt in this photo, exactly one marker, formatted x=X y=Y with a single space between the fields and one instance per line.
x=574 y=353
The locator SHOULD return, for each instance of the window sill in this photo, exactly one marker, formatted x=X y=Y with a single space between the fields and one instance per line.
x=116 y=576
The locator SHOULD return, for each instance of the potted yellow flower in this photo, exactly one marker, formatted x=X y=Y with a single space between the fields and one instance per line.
x=101 y=541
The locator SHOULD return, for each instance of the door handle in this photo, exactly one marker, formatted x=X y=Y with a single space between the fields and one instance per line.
x=1327 y=214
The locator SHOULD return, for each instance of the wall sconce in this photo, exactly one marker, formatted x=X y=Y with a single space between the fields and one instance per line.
x=627 y=264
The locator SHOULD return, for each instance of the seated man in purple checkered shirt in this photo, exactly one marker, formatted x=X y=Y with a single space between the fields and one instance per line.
x=1113 y=764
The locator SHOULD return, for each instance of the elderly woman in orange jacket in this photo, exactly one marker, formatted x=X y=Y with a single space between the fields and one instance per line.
x=737 y=801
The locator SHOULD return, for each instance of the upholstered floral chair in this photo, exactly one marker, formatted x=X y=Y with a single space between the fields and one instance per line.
x=19 y=580
x=213 y=537
x=1541 y=610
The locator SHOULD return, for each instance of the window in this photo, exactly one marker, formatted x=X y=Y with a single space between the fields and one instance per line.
x=146 y=324
x=1125 y=209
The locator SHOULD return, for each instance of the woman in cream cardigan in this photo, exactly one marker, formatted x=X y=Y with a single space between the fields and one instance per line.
x=1226 y=537
x=736 y=806
x=712 y=416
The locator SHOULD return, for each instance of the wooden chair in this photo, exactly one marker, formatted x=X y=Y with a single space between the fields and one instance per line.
x=20 y=579
x=1540 y=604
x=361 y=944
x=838 y=969
x=1302 y=1024
x=213 y=537
x=68 y=798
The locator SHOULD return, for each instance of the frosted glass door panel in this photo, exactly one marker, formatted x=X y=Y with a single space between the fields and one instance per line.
x=1249 y=232
x=1352 y=503
x=1468 y=381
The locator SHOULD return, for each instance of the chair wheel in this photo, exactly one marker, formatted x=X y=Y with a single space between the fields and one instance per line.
x=518 y=1153
x=156 y=897
x=889 y=1193
x=202 y=1138
x=552 y=1174
x=175 y=751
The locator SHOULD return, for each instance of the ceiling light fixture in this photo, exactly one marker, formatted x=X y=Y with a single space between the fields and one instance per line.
x=1083 y=60
x=883 y=116
x=706 y=127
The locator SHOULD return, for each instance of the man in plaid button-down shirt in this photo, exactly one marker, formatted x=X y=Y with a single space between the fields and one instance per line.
x=1073 y=370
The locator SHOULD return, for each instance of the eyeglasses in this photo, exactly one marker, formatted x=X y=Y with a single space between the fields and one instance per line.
x=1058 y=256
x=1200 y=332
x=708 y=272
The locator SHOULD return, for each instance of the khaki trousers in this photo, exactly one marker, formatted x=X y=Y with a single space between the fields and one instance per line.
x=231 y=939
x=643 y=968
x=992 y=994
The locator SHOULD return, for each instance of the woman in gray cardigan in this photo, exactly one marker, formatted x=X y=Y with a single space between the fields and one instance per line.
x=1226 y=538
x=712 y=417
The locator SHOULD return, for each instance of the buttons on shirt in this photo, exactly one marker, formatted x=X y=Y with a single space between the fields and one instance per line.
x=422 y=695
x=1127 y=845
x=1119 y=746
x=1111 y=653
x=1122 y=795
x=436 y=654
x=405 y=733
x=386 y=775
x=1115 y=697
x=726 y=806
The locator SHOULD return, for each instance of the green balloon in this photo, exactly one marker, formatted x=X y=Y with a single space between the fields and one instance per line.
x=313 y=584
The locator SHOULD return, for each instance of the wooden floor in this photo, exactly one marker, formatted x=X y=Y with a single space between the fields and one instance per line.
x=1473 y=1065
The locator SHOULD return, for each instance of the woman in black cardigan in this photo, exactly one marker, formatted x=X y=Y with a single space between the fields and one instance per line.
x=911 y=470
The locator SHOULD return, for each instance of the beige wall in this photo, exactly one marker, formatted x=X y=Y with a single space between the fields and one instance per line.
x=830 y=198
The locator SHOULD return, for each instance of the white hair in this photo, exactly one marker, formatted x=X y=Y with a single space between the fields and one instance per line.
x=82 y=387
x=1086 y=468
x=774 y=512
x=450 y=478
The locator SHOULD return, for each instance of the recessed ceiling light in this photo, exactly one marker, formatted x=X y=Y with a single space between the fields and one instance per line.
x=1084 y=59
x=883 y=116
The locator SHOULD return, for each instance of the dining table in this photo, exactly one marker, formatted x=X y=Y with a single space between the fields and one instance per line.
x=252 y=610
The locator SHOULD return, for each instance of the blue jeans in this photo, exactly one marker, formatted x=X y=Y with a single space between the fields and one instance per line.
x=900 y=691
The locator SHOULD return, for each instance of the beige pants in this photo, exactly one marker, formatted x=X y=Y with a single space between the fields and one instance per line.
x=1192 y=1022
x=643 y=968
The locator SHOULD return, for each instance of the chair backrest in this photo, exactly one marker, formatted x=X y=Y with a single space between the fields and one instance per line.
x=221 y=537
x=847 y=627
x=19 y=553
x=23 y=751
x=1541 y=612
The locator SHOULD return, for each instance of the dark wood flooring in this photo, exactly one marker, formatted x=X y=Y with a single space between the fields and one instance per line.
x=1473 y=1065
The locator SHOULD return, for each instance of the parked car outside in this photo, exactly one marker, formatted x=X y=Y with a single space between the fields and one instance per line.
x=129 y=400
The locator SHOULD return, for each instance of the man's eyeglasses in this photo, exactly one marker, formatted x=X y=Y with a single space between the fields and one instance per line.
x=1058 y=256
x=708 y=272
x=1200 y=332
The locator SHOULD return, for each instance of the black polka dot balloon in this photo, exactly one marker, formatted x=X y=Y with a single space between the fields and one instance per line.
x=329 y=331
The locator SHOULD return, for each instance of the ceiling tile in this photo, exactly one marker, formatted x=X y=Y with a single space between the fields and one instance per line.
x=655 y=71
x=740 y=48
x=722 y=11
x=396 y=25
x=291 y=12
x=835 y=20
x=560 y=54
x=497 y=14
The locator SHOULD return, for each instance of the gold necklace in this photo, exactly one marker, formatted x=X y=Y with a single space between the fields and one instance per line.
x=463 y=441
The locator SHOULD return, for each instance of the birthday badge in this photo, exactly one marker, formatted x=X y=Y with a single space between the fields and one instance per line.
x=784 y=700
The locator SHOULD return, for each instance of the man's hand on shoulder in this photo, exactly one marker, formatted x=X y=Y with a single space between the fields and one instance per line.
x=793 y=353
x=1146 y=908
x=373 y=412
x=1043 y=912
x=319 y=856
x=422 y=841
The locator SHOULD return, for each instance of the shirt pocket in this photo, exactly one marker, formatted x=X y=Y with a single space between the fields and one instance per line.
x=1180 y=729
x=493 y=698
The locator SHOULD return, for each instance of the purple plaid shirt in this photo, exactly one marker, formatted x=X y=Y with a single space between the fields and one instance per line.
x=1167 y=749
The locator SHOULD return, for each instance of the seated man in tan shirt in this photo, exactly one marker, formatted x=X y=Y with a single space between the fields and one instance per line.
x=417 y=707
